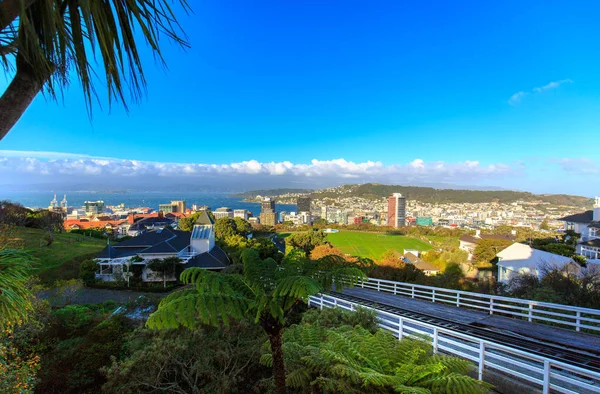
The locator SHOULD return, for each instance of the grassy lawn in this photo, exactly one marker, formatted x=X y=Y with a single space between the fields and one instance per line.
x=61 y=259
x=373 y=245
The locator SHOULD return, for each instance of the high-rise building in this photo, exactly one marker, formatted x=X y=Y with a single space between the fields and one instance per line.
x=303 y=204
x=266 y=204
x=166 y=208
x=223 y=212
x=268 y=217
x=93 y=207
x=396 y=216
x=179 y=205
x=173 y=206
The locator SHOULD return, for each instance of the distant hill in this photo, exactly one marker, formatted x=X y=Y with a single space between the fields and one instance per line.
x=271 y=192
x=431 y=195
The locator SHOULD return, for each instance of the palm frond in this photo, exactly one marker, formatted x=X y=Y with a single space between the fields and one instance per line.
x=53 y=38
x=15 y=298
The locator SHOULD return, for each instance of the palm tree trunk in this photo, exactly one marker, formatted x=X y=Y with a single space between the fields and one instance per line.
x=15 y=100
x=275 y=339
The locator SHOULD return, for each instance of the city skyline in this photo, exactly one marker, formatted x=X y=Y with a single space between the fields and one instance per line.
x=470 y=94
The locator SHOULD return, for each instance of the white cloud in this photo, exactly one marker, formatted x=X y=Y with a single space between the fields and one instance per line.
x=21 y=167
x=517 y=97
x=552 y=85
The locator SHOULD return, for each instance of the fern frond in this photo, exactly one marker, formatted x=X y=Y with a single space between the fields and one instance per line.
x=187 y=308
x=297 y=287
x=298 y=378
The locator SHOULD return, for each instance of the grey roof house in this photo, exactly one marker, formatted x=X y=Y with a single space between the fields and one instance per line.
x=194 y=249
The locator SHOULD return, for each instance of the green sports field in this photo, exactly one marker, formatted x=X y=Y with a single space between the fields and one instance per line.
x=373 y=245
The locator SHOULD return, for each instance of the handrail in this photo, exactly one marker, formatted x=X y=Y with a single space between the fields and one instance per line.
x=533 y=368
x=543 y=312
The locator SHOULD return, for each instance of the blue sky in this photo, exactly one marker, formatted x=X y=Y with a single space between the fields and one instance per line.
x=483 y=93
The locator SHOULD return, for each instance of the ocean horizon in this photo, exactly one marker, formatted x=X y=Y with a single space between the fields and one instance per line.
x=139 y=199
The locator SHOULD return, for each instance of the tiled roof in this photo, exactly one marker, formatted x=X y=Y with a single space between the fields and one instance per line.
x=469 y=238
x=148 y=239
x=214 y=259
x=85 y=223
x=425 y=266
x=497 y=237
x=204 y=218
x=110 y=252
x=592 y=242
x=583 y=217
x=594 y=224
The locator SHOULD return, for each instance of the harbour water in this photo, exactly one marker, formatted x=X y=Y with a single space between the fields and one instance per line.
x=138 y=199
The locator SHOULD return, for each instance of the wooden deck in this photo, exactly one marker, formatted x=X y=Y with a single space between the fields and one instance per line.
x=542 y=332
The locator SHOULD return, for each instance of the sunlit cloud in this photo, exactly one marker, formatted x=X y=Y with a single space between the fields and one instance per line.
x=49 y=166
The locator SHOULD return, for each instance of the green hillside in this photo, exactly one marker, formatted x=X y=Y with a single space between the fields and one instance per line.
x=431 y=195
x=59 y=260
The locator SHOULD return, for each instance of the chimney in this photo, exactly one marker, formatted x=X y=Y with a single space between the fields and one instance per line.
x=131 y=218
x=596 y=216
x=160 y=214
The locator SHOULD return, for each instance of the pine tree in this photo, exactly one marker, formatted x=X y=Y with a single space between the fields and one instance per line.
x=266 y=292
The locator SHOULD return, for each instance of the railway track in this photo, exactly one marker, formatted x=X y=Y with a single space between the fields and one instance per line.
x=582 y=358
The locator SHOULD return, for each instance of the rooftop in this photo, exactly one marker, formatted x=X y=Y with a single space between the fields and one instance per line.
x=583 y=217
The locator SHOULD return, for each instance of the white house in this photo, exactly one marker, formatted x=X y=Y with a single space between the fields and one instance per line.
x=588 y=225
x=195 y=249
x=522 y=259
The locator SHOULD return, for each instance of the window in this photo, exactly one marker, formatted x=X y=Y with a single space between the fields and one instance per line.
x=594 y=233
x=590 y=253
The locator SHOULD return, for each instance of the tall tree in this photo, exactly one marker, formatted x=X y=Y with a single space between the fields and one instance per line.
x=266 y=292
x=46 y=42
x=307 y=240
x=225 y=227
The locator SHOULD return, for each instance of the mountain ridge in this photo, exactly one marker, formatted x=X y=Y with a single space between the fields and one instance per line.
x=428 y=194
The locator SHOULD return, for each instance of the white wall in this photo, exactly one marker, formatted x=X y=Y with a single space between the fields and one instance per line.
x=202 y=245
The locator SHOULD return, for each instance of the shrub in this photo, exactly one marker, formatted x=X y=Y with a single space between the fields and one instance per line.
x=336 y=317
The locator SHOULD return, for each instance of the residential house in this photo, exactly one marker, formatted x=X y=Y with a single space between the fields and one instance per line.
x=117 y=227
x=427 y=268
x=522 y=259
x=469 y=242
x=139 y=224
x=587 y=224
x=194 y=249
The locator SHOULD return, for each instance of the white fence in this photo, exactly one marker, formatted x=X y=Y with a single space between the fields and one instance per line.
x=542 y=372
x=533 y=311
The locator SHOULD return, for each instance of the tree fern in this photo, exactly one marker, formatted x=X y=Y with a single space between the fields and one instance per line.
x=265 y=293
x=359 y=361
